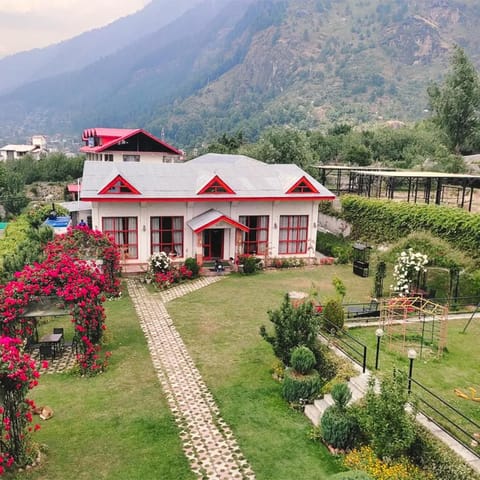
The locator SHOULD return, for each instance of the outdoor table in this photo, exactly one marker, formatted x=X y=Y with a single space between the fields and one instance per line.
x=53 y=339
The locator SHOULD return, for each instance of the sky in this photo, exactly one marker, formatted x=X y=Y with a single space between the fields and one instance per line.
x=27 y=24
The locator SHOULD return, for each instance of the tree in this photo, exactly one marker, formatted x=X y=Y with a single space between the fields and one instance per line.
x=284 y=145
x=456 y=102
x=388 y=424
x=294 y=326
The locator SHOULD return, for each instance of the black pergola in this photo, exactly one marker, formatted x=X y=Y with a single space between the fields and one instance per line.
x=425 y=187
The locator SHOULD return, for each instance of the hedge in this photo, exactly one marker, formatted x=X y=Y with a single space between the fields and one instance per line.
x=378 y=221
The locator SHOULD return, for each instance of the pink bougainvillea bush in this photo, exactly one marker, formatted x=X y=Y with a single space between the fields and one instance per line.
x=76 y=284
x=83 y=243
x=18 y=375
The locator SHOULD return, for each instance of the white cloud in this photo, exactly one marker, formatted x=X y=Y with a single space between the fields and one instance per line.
x=27 y=24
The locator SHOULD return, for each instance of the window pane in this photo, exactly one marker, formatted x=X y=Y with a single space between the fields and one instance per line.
x=167 y=235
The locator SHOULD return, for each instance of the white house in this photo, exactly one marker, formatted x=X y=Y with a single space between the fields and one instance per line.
x=36 y=149
x=212 y=207
x=127 y=145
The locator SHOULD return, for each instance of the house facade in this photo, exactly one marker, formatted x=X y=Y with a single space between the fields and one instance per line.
x=127 y=145
x=212 y=207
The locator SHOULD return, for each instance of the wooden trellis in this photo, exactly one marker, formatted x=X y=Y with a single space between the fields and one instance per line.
x=415 y=322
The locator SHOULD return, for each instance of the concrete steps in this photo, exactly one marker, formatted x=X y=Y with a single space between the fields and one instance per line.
x=358 y=386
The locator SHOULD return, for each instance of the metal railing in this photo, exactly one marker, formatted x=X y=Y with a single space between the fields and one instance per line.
x=350 y=346
x=431 y=402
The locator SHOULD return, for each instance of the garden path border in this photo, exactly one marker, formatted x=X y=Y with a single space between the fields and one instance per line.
x=207 y=440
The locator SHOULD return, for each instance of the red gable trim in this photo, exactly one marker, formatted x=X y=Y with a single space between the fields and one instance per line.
x=126 y=134
x=305 y=185
x=225 y=219
x=302 y=198
x=123 y=183
x=215 y=182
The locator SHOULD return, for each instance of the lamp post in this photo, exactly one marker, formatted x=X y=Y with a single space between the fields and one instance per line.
x=412 y=355
x=379 y=334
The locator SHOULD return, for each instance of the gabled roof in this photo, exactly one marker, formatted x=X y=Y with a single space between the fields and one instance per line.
x=249 y=179
x=302 y=186
x=213 y=217
x=215 y=185
x=113 y=137
x=119 y=186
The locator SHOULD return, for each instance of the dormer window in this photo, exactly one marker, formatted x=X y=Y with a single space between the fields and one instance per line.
x=303 y=186
x=216 y=186
x=119 y=186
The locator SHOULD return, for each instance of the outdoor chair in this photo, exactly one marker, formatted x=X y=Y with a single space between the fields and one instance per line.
x=62 y=341
x=46 y=351
x=365 y=310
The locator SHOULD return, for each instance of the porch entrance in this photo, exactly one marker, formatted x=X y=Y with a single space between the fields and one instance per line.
x=213 y=243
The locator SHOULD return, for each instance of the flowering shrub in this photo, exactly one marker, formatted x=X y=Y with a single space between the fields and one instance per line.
x=75 y=283
x=292 y=262
x=407 y=270
x=18 y=375
x=364 y=459
x=159 y=262
x=83 y=243
x=172 y=276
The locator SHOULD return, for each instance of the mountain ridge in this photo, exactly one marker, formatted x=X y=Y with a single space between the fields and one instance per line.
x=230 y=66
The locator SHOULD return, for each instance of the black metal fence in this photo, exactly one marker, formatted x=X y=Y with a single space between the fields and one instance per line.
x=350 y=346
x=446 y=416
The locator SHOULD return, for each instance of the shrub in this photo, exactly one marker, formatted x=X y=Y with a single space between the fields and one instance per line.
x=333 y=315
x=192 y=264
x=398 y=219
x=249 y=264
x=159 y=262
x=302 y=360
x=292 y=327
x=340 y=429
x=395 y=433
x=427 y=452
x=341 y=395
x=326 y=364
x=342 y=253
x=365 y=459
x=327 y=243
x=297 y=388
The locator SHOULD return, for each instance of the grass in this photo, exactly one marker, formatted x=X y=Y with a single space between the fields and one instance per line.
x=113 y=426
x=118 y=425
x=457 y=368
x=220 y=325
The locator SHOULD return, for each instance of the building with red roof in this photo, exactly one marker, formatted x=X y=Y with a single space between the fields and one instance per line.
x=127 y=145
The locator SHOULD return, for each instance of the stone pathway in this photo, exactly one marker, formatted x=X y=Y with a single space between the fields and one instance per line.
x=64 y=363
x=208 y=442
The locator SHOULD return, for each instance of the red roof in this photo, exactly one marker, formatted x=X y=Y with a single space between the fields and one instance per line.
x=73 y=187
x=112 y=136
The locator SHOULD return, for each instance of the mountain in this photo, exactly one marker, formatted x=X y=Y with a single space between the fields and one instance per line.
x=88 y=47
x=224 y=66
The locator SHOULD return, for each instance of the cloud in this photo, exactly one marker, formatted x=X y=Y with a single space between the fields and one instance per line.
x=27 y=24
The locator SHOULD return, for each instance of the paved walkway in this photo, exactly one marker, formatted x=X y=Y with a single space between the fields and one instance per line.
x=208 y=442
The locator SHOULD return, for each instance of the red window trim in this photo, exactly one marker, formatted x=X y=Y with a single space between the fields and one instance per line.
x=248 y=244
x=215 y=186
x=302 y=186
x=172 y=243
x=289 y=239
x=113 y=184
x=123 y=246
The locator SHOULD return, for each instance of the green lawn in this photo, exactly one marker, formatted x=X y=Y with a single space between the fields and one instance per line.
x=115 y=426
x=118 y=426
x=457 y=368
x=220 y=325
